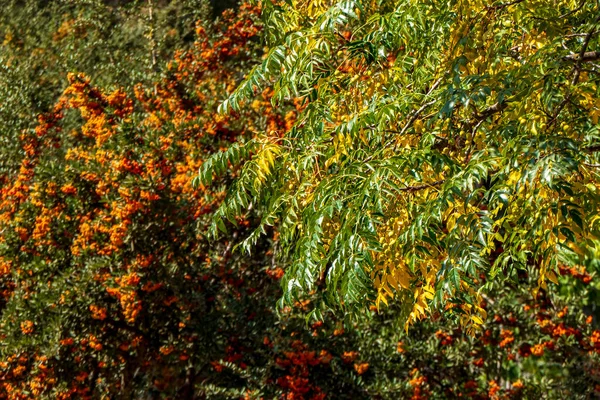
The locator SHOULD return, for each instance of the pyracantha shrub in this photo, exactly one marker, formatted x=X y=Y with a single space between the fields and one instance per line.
x=108 y=282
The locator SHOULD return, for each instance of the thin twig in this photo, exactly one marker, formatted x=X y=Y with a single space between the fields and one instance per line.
x=486 y=298
x=493 y=109
x=577 y=70
x=473 y=133
x=585 y=57
x=573 y=11
x=582 y=53
x=592 y=149
x=504 y=5
x=579 y=34
x=421 y=187
x=416 y=114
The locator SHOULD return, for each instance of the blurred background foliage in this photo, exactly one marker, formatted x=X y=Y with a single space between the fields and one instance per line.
x=114 y=42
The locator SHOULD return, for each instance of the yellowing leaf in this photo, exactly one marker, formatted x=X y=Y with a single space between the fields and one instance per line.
x=377 y=283
x=403 y=278
x=451 y=221
x=392 y=281
x=381 y=297
x=482 y=312
x=552 y=277
x=418 y=126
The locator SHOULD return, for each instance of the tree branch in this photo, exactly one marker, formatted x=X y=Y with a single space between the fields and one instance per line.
x=504 y=5
x=416 y=114
x=493 y=109
x=579 y=34
x=573 y=11
x=592 y=149
x=414 y=117
x=578 y=59
x=421 y=187
x=585 y=57
x=583 y=52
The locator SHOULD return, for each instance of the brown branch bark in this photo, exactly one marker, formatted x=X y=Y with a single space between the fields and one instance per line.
x=421 y=187
x=585 y=57
x=592 y=149
x=493 y=109
x=504 y=5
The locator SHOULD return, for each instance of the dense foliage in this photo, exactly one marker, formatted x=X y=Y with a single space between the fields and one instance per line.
x=112 y=287
x=41 y=41
x=443 y=147
x=103 y=233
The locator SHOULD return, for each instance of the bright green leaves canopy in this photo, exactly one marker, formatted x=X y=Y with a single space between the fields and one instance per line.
x=443 y=146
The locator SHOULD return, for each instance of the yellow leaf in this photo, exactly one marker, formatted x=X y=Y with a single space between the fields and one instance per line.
x=392 y=281
x=423 y=269
x=482 y=312
x=418 y=309
x=513 y=177
x=377 y=283
x=332 y=160
x=381 y=297
x=418 y=126
x=428 y=292
x=552 y=277
x=451 y=221
x=403 y=278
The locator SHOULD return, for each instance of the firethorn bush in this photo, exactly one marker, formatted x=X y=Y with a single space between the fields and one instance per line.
x=111 y=41
x=113 y=284
x=103 y=234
